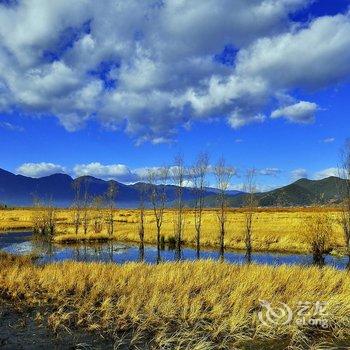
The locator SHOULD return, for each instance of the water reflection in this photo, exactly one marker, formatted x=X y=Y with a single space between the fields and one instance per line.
x=21 y=243
x=248 y=257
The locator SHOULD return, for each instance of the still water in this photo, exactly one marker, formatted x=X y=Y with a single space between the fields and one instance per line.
x=22 y=243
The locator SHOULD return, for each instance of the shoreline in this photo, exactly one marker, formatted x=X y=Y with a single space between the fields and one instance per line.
x=275 y=230
x=71 y=239
x=91 y=240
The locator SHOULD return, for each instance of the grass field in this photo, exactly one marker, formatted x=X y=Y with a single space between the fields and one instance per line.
x=273 y=229
x=184 y=305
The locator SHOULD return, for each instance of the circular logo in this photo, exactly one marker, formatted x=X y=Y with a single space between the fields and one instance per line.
x=279 y=315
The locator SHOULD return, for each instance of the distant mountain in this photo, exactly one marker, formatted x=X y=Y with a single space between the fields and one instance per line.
x=303 y=192
x=19 y=190
x=229 y=192
x=170 y=190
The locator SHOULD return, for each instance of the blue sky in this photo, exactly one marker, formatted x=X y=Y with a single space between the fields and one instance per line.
x=111 y=90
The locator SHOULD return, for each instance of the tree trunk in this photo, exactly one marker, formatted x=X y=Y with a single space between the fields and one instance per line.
x=198 y=243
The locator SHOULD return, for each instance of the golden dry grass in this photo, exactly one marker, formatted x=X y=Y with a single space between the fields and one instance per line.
x=273 y=229
x=184 y=305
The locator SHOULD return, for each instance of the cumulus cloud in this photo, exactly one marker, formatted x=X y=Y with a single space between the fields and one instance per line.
x=123 y=173
x=119 y=172
x=272 y=66
x=299 y=173
x=301 y=112
x=269 y=171
x=150 y=67
x=40 y=169
x=326 y=173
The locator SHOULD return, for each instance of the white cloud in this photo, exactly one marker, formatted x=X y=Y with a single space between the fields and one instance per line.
x=150 y=67
x=272 y=66
x=10 y=126
x=237 y=120
x=301 y=112
x=40 y=169
x=299 y=173
x=119 y=172
x=269 y=171
x=302 y=57
x=326 y=173
x=188 y=183
x=328 y=140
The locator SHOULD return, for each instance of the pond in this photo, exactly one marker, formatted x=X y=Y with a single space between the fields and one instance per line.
x=118 y=252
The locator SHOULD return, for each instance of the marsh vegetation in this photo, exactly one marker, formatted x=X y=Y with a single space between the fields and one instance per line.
x=184 y=305
x=275 y=229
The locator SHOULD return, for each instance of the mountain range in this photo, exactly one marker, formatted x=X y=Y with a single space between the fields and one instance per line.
x=303 y=192
x=19 y=190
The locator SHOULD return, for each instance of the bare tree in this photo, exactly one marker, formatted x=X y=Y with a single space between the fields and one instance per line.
x=250 y=204
x=111 y=203
x=85 y=208
x=142 y=207
x=178 y=173
x=50 y=218
x=38 y=217
x=97 y=205
x=77 y=207
x=198 y=175
x=44 y=218
x=344 y=194
x=157 y=180
x=223 y=175
x=318 y=232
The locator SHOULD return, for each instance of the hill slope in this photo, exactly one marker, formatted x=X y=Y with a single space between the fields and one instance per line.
x=303 y=192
